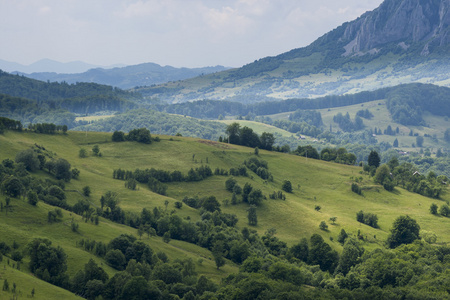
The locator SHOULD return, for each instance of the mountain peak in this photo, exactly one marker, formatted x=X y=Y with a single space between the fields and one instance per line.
x=402 y=22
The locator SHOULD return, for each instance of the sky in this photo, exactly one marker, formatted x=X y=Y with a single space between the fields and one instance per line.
x=179 y=33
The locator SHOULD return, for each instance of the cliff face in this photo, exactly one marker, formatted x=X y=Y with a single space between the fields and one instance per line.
x=400 y=21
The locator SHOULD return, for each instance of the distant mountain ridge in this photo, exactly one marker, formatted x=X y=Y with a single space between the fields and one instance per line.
x=401 y=41
x=145 y=74
x=48 y=65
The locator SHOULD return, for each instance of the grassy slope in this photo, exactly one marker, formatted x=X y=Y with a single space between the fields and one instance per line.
x=259 y=127
x=436 y=125
x=315 y=183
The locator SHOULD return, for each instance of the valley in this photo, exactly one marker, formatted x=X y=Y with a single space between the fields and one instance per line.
x=318 y=173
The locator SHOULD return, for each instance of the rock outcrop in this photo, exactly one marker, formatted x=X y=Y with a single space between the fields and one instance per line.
x=400 y=21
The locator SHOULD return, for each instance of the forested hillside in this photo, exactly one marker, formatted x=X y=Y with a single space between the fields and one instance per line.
x=81 y=98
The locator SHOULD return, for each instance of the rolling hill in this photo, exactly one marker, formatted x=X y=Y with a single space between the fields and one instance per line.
x=315 y=184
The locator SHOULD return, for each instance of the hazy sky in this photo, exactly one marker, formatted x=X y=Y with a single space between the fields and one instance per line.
x=181 y=33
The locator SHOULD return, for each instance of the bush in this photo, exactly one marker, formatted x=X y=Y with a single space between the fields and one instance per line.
x=356 y=188
x=86 y=191
x=445 y=210
x=367 y=218
x=323 y=226
x=230 y=183
x=287 y=186
x=433 y=209
x=82 y=153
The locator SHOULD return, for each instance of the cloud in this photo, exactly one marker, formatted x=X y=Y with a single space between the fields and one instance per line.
x=173 y=32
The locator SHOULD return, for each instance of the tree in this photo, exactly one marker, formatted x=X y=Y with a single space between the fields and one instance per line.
x=137 y=288
x=444 y=210
x=96 y=150
x=115 y=259
x=248 y=138
x=47 y=262
x=32 y=198
x=86 y=191
x=419 y=141
x=382 y=174
x=93 y=271
x=62 y=169
x=233 y=133
x=118 y=136
x=301 y=250
x=351 y=255
x=374 y=159
x=433 y=209
x=255 y=197
x=230 y=183
x=12 y=187
x=141 y=135
x=56 y=192
x=447 y=135
x=287 y=186
x=342 y=236
x=267 y=141
x=211 y=204
x=75 y=173
x=323 y=226
x=5 y=285
x=82 y=153
x=395 y=143
x=217 y=252
x=29 y=159
x=251 y=216
x=320 y=253
x=256 y=151
x=405 y=230
x=246 y=191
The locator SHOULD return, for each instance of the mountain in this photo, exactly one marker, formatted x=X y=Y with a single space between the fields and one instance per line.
x=401 y=41
x=48 y=65
x=128 y=77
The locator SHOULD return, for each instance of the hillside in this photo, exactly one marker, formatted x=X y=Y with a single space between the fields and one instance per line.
x=399 y=42
x=315 y=184
x=29 y=100
x=145 y=74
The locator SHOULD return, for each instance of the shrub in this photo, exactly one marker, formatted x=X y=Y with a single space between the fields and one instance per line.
x=287 y=186
x=433 y=209
x=356 y=188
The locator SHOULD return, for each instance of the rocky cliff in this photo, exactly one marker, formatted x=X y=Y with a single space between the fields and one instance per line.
x=402 y=22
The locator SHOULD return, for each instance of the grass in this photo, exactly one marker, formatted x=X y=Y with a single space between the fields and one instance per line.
x=259 y=128
x=436 y=125
x=93 y=118
x=314 y=182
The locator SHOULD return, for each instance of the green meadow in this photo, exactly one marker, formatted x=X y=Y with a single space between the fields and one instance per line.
x=314 y=182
